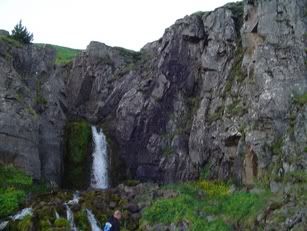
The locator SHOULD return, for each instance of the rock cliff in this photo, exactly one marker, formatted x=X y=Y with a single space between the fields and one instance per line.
x=222 y=93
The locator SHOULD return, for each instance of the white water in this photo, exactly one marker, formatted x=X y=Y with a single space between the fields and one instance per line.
x=99 y=179
x=75 y=199
x=92 y=220
x=3 y=225
x=21 y=214
x=57 y=216
x=18 y=216
x=70 y=218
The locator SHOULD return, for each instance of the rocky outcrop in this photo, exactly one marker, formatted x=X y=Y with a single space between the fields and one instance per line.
x=222 y=92
x=30 y=115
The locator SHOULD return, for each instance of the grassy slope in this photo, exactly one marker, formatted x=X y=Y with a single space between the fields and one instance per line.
x=206 y=205
x=63 y=54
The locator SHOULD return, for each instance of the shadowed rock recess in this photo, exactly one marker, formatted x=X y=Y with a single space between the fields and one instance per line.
x=222 y=92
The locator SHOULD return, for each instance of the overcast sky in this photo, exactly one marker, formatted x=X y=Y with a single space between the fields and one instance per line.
x=126 y=23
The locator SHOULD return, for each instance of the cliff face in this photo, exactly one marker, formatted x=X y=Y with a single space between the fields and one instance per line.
x=222 y=93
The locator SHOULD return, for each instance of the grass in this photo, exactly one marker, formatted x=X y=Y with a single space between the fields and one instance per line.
x=301 y=99
x=10 y=41
x=64 y=55
x=25 y=224
x=14 y=186
x=197 y=201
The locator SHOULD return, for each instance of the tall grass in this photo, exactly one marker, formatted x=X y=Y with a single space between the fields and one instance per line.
x=205 y=205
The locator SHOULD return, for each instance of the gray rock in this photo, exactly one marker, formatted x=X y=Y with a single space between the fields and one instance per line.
x=275 y=186
x=211 y=93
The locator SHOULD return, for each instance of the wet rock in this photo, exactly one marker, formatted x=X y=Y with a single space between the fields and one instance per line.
x=133 y=208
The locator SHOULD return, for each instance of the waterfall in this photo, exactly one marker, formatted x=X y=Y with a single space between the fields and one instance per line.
x=75 y=199
x=18 y=216
x=3 y=225
x=69 y=213
x=57 y=216
x=92 y=220
x=99 y=179
x=70 y=218
x=21 y=214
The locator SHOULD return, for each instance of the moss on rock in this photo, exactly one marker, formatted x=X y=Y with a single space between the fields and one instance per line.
x=78 y=139
x=61 y=224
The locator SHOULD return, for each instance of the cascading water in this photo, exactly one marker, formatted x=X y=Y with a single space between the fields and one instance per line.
x=18 y=216
x=57 y=216
x=92 y=220
x=69 y=213
x=3 y=225
x=99 y=178
x=21 y=214
x=75 y=199
x=70 y=218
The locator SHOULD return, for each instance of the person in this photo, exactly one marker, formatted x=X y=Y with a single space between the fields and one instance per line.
x=113 y=223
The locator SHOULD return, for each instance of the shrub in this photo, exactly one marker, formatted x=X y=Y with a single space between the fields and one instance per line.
x=62 y=223
x=10 y=200
x=21 y=34
x=14 y=185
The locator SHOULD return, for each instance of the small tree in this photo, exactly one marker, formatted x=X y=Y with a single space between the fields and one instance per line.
x=21 y=34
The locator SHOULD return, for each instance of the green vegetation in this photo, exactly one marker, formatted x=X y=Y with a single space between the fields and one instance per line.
x=218 y=114
x=206 y=205
x=199 y=13
x=62 y=224
x=14 y=185
x=130 y=56
x=277 y=146
x=292 y=121
x=25 y=224
x=205 y=172
x=301 y=99
x=78 y=138
x=81 y=220
x=10 y=200
x=10 y=41
x=236 y=108
x=64 y=55
x=237 y=9
x=236 y=72
x=21 y=34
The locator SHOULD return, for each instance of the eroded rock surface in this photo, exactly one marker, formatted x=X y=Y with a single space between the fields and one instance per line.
x=221 y=92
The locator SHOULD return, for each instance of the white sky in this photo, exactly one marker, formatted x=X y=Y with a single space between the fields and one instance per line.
x=72 y=23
